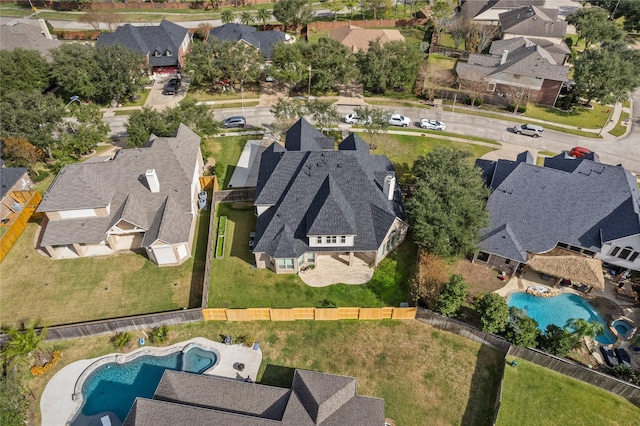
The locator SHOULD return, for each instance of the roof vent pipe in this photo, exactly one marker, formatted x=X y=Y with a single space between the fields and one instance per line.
x=152 y=180
x=389 y=186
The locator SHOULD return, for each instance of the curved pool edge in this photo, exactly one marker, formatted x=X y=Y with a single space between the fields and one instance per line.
x=59 y=407
x=614 y=330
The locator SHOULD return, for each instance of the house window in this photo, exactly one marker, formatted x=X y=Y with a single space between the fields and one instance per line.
x=507 y=261
x=491 y=87
x=301 y=260
x=563 y=245
x=625 y=252
x=614 y=251
x=285 y=263
x=482 y=257
x=319 y=240
x=634 y=256
x=574 y=248
x=332 y=239
x=311 y=257
x=156 y=53
x=589 y=253
x=343 y=239
x=168 y=53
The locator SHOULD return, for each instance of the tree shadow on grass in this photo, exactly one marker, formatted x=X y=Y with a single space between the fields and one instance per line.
x=483 y=394
x=277 y=375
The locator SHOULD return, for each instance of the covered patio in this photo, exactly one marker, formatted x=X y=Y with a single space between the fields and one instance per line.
x=580 y=270
x=334 y=269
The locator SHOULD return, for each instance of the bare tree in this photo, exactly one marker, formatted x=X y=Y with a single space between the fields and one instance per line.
x=203 y=30
x=458 y=30
x=518 y=96
x=111 y=19
x=431 y=79
x=473 y=84
x=92 y=18
x=486 y=34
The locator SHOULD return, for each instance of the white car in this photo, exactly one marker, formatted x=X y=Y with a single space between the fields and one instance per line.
x=425 y=123
x=353 y=118
x=399 y=120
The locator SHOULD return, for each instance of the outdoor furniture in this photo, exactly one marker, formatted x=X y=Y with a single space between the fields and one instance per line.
x=623 y=357
x=630 y=294
x=609 y=357
x=227 y=340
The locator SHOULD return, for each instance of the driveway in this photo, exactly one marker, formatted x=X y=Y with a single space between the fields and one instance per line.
x=158 y=101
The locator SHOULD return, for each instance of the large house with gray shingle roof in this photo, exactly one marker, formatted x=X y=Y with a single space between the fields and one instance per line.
x=313 y=201
x=141 y=199
x=314 y=399
x=264 y=41
x=532 y=21
x=163 y=45
x=581 y=205
x=488 y=11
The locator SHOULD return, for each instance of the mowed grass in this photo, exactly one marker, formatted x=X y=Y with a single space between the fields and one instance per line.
x=533 y=395
x=620 y=129
x=235 y=284
x=67 y=291
x=426 y=376
x=579 y=117
x=226 y=150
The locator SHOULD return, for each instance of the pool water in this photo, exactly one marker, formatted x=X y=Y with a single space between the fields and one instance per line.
x=114 y=387
x=558 y=309
x=622 y=327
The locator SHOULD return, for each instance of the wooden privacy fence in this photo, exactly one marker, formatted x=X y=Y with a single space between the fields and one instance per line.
x=317 y=314
x=209 y=183
x=29 y=201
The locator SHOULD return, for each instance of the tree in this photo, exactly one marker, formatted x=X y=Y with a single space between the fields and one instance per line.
x=375 y=121
x=630 y=9
x=289 y=62
x=393 y=65
x=13 y=403
x=452 y=295
x=20 y=151
x=556 y=340
x=263 y=16
x=22 y=344
x=203 y=30
x=331 y=63
x=431 y=275
x=143 y=123
x=430 y=79
x=247 y=18
x=592 y=25
x=88 y=131
x=96 y=17
x=522 y=330
x=518 y=96
x=494 y=313
x=475 y=85
x=293 y=13
x=227 y=16
x=583 y=329
x=447 y=208
x=121 y=72
x=23 y=70
x=75 y=69
x=335 y=6
x=287 y=111
x=607 y=73
x=626 y=373
x=351 y=5
x=202 y=63
x=324 y=114
x=458 y=29
x=441 y=10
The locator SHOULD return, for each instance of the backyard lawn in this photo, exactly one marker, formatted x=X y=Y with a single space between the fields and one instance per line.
x=235 y=284
x=533 y=395
x=426 y=376
x=75 y=290
x=226 y=151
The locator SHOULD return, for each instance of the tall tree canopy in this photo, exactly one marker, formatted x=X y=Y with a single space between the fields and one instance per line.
x=629 y=9
x=390 y=66
x=331 y=63
x=22 y=70
x=447 y=208
x=494 y=313
x=293 y=13
x=607 y=73
x=592 y=25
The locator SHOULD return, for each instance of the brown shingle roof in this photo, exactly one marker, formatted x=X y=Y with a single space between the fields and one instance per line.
x=357 y=39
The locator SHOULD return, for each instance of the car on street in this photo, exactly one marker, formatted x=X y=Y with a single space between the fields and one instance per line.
x=235 y=121
x=579 y=152
x=171 y=88
x=353 y=118
x=399 y=120
x=532 y=130
x=425 y=123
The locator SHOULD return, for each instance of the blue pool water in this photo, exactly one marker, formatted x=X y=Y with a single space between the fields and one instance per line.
x=558 y=309
x=622 y=327
x=114 y=387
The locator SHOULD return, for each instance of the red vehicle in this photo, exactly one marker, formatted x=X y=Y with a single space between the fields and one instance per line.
x=579 y=152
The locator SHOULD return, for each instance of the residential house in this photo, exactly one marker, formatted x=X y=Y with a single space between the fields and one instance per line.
x=31 y=34
x=315 y=202
x=314 y=399
x=357 y=39
x=164 y=46
x=532 y=21
x=12 y=179
x=142 y=199
x=261 y=40
x=528 y=67
x=580 y=205
x=488 y=11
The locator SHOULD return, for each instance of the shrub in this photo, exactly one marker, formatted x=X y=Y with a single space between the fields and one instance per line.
x=431 y=275
x=159 y=334
x=452 y=295
x=245 y=340
x=327 y=303
x=522 y=330
x=556 y=340
x=120 y=340
x=521 y=109
x=494 y=313
x=38 y=370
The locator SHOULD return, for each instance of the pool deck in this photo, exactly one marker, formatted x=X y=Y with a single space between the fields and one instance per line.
x=58 y=407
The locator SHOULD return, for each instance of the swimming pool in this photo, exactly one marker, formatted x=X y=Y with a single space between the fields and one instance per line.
x=114 y=386
x=558 y=309
x=622 y=327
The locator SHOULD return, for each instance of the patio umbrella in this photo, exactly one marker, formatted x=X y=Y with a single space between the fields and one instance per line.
x=580 y=269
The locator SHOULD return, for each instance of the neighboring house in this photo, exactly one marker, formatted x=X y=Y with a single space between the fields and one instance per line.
x=314 y=399
x=559 y=52
x=356 y=38
x=529 y=66
x=31 y=34
x=12 y=179
x=261 y=40
x=488 y=11
x=164 y=45
x=143 y=198
x=313 y=201
x=577 y=204
x=532 y=21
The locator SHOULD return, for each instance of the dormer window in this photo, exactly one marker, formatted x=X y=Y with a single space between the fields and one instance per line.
x=167 y=53
x=156 y=53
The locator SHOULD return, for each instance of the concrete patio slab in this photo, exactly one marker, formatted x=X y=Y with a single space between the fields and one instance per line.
x=333 y=270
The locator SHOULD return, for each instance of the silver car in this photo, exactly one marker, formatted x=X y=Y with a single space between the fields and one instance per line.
x=235 y=121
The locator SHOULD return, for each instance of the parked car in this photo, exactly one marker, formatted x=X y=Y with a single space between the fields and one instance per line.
x=353 y=118
x=399 y=120
x=235 y=121
x=425 y=123
x=172 y=86
x=532 y=130
x=579 y=152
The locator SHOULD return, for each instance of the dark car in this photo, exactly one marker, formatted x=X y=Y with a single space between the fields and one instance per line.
x=235 y=121
x=579 y=152
x=172 y=86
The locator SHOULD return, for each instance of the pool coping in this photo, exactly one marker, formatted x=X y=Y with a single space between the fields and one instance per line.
x=62 y=397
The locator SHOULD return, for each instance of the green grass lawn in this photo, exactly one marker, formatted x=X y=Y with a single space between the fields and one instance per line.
x=204 y=96
x=226 y=150
x=234 y=284
x=533 y=395
x=447 y=41
x=441 y=62
x=579 y=117
x=620 y=129
x=247 y=104
x=74 y=290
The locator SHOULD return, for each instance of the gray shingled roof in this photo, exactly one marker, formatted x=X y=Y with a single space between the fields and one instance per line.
x=302 y=136
x=28 y=34
x=472 y=8
x=315 y=399
x=163 y=38
x=120 y=184
x=262 y=40
x=8 y=177
x=533 y=21
x=557 y=51
x=308 y=192
x=574 y=201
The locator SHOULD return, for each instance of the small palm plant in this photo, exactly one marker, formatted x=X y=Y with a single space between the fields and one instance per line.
x=227 y=16
x=247 y=18
x=22 y=344
x=263 y=16
x=583 y=328
x=120 y=340
x=159 y=334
